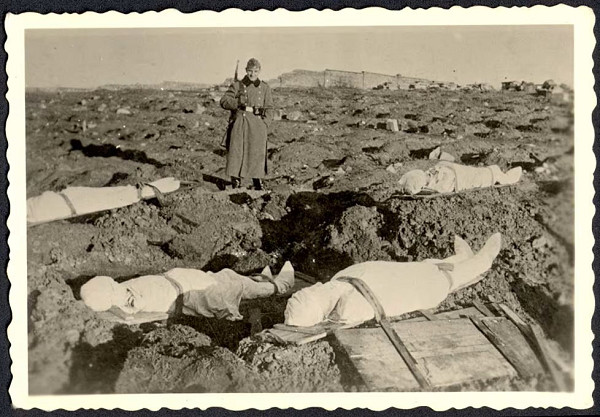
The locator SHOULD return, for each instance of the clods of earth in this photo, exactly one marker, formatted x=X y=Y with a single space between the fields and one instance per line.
x=333 y=172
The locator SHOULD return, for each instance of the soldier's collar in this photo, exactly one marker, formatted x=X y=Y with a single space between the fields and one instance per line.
x=246 y=81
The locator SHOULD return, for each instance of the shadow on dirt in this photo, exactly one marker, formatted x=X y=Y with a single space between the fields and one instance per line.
x=222 y=332
x=108 y=150
x=474 y=158
x=95 y=369
x=421 y=153
x=117 y=179
x=301 y=236
x=554 y=187
x=556 y=319
x=220 y=262
x=76 y=284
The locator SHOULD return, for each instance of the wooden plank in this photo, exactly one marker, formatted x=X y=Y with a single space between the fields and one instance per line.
x=284 y=336
x=450 y=352
x=453 y=314
x=540 y=341
x=428 y=194
x=376 y=360
x=325 y=326
x=428 y=315
x=514 y=318
x=301 y=335
x=535 y=335
x=507 y=338
x=481 y=307
x=317 y=329
x=380 y=317
x=138 y=318
x=467 y=367
x=411 y=362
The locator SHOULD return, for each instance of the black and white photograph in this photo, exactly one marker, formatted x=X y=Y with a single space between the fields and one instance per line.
x=349 y=203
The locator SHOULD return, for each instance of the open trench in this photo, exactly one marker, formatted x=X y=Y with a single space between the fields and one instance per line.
x=320 y=233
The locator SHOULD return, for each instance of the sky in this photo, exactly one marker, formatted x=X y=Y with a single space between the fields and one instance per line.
x=88 y=58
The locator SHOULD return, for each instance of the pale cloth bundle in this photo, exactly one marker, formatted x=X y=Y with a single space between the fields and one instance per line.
x=467 y=177
x=202 y=293
x=76 y=201
x=399 y=287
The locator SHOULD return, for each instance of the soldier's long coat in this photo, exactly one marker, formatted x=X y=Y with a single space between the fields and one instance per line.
x=247 y=133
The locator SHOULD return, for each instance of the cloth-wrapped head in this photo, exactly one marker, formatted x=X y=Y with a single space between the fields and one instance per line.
x=100 y=293
x=413 y=181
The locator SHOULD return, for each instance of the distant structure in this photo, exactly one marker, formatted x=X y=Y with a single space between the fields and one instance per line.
x=548 y=88
x=362 y=80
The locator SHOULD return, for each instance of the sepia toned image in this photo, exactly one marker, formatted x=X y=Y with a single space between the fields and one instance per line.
x=374 y=206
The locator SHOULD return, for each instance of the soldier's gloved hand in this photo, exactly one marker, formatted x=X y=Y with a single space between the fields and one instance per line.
x=242 y=100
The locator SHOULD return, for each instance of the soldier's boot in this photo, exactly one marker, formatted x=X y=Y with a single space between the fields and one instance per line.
x=235 y=182
x=258 y=185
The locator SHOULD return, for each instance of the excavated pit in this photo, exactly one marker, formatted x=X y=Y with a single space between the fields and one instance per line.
x=332 y=203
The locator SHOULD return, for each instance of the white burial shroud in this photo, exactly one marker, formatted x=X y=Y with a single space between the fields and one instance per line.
x=76 y=201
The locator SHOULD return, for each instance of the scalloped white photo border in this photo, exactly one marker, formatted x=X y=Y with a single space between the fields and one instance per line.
x=582 y=19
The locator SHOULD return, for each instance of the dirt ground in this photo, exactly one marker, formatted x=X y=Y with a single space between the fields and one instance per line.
x=332 y=202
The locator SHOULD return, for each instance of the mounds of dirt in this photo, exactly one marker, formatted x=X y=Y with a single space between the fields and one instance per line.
x=356 y=234
x=61 y=244
x=555 y=313
x=131 y=237
x=394 y=150
x=292 y=157
x=97 y=363
x=176 y=340
x=211 y=225
x=250 y=262
x=179 y=359
x=274 y=205
x=306 y=368
x=561 y=124
x=55 y=324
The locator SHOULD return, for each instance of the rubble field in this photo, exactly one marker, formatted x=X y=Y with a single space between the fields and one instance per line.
x=333 y=172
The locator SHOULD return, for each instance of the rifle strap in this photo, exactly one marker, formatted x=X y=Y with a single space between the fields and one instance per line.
x=381 y=318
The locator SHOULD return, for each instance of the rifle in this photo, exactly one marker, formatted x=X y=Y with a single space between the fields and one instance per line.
x=229 y=123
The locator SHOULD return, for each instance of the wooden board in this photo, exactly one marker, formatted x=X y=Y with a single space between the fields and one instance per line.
x=426 y=194
x=138 y=318
x=301 y=335
x=450 y=352
x=506 y=336
x=453 y=314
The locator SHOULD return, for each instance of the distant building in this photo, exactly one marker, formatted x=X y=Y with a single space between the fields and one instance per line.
x=348 y=79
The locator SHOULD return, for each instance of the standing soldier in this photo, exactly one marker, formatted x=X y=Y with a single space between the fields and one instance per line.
x=251 y=106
